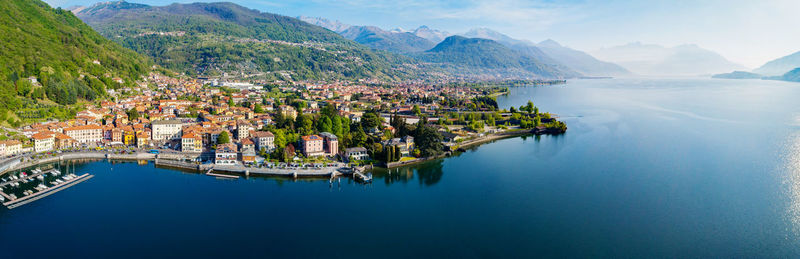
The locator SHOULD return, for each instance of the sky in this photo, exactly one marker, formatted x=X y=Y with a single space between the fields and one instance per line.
x=748 y=32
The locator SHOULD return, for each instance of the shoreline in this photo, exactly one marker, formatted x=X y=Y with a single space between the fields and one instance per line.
x=13 y=164
x=200 y=168
x=476 y=142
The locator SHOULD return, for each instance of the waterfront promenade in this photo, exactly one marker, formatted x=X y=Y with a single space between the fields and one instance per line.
x=168 y=159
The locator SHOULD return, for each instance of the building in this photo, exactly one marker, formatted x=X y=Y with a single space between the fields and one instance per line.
x=356 y=153
x=164 y=130
x=405 y=144
x=142 y=139
x=86 y=134
x=225 y=154
x=312 y=145
x=10 y=147
x=191 y=142
x=264 y=140
x=243 y=130
x=62 y=141
x=116 y=136
x=43 y=141
x=248 y=155
x=247 y=144
x=331 y=144
x=287 y=111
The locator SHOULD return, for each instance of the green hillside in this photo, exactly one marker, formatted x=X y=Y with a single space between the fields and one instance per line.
x=217 y=38
x=474 y=55
x=68 y=60
x=397 y=42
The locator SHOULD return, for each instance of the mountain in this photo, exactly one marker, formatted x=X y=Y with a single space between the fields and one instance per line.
x=335 y=26
x=651 y=59
x=553 y=54
x=738 y=75
x=580 y=61
x=435 y=36
x=486 y=33
x=463 y=55
x=51 y=55
x=398 y=42
x=792 y=76
x=780 y=66
x=228 y=39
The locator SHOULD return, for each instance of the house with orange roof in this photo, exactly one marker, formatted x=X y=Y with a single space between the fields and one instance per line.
x=43 y=141
x=191 y=142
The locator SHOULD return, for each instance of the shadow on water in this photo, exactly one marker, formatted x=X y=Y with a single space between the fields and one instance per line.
x=427 y=173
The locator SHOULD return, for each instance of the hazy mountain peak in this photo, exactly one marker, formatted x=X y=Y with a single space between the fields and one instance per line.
x=780 y=66
x=653 y=59
x=549 y=43
x=432 y=35
x=486 y=33
x=333 y=25
x=398 y=30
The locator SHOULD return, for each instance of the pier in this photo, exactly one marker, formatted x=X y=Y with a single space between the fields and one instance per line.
x=14 y=203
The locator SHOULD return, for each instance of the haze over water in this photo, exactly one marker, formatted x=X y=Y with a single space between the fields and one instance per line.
x=648 y=167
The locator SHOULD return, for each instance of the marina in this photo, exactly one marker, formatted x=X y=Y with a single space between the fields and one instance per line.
x=20 y=188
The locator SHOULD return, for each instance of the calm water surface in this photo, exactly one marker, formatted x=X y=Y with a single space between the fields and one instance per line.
x=648 y=168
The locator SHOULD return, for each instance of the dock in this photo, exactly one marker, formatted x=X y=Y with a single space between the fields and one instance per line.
x=209 y=173
x=366 y=178
x=11 y=204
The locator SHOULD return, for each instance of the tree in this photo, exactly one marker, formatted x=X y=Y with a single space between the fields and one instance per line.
x=230 y=102
x=416 y=110
x=304 y=124
x=359 y=138
x=396 y=152
x=325 y=124
x=223 y=138
x=336 y=126
x=529 y=107
x=370 y=120
x=288 y=153
x=258 y=109
x=428 y=140
x=133 y=114
x=512 y=110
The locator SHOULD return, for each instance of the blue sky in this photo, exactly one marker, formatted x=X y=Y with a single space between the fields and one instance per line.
x=746 y=32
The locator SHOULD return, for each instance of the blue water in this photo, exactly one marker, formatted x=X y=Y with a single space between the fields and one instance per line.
x=648 y=168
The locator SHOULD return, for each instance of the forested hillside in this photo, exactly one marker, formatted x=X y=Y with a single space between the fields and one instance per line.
x=51 y=58
x=218 y=38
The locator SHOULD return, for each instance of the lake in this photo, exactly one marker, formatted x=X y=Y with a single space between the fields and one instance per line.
x=648 y=168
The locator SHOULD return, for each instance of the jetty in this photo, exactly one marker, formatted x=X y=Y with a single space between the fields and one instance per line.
x=209 y=173
x=14 y=203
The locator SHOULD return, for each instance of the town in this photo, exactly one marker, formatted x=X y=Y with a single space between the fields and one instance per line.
x=302 y=124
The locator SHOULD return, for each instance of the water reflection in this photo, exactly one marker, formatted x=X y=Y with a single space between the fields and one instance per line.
x=427 y=174
x=792 y=182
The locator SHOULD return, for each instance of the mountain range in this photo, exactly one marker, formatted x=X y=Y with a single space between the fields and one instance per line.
x=486 y=56
x=398 y=42
x=652 y=59
x=225 y=38
x=554 y=54
x=780 y=66
x=550 y=53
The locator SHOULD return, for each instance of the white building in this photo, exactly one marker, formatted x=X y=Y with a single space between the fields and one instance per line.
x=166 y=129
x=87 y=134
x=226 y=154
x=10 y=147
x=43 y=142
x=264 y=140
